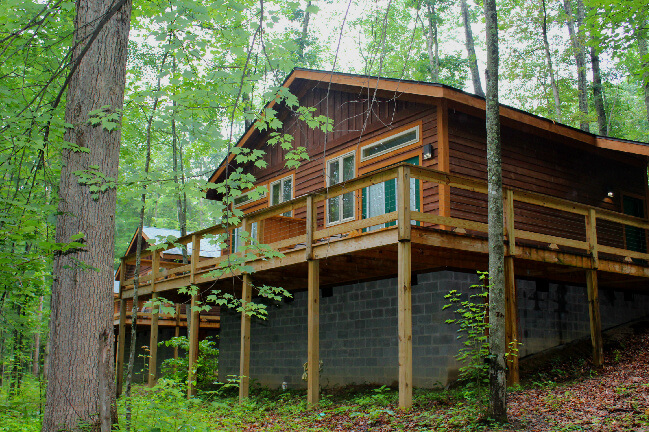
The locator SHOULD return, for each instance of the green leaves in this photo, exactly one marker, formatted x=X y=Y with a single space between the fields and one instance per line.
x=105 y=117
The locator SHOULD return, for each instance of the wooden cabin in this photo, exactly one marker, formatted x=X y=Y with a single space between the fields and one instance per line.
x=389 y=213
x=167 y=325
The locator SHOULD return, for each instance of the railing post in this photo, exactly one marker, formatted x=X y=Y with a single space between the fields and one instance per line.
x=403 y=202
x=155 y=267
x=196 y=254
x=311 y=225
x=591 y=236
x=121 y=343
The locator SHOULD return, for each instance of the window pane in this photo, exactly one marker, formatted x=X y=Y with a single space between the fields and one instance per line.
x=253 y=231
x=287 y=192
x=275 y=193
x=235 y=240
x=348 y=168
x=334 y=209
x=348 y=205
x=334 y=172
x=414 y=186
x=390 y=143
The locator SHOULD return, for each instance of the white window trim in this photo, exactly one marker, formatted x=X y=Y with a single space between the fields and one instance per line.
x=339 y=197
x=249 y=200
x=281 y=189
x=390 y=150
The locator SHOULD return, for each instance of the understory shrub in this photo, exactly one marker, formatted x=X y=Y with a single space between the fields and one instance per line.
x=207 y=363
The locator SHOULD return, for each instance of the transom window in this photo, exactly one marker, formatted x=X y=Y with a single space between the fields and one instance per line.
x=391 y=143
x=340 y=169
x=281 y=191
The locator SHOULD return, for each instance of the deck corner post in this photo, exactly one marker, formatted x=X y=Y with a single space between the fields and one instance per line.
x=153 y=343
x=244 y=357
x=404 y=300
x=313 y=328
x=311 y=225
x=595 y=318
x=591 y=237
x=403 y=202
x=121 y=342
x=511 y=322
x=196 y=253
x=193 y=345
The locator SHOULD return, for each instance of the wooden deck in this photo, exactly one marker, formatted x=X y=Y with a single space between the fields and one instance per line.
x=318 y=255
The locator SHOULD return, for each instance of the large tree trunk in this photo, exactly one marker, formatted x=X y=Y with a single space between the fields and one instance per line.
x=497 y=383
x=548 y=58
x=598 y=93
x=470 y=48
x=641 y=33
x=81 y=323
x=576 y=40
x=431 y=42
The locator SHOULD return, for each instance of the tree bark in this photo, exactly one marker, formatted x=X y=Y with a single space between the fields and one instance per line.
x=548 y=58
x=431 y=41
x=497 y=380
x=301 y=46
x=82 y=292
x=598 y=93
x=470 y=48
x=576 y=41
x=641 y=33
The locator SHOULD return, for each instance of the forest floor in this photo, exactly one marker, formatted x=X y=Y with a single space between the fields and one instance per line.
x=560 y=395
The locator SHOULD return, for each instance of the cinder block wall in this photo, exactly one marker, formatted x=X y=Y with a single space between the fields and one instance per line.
x=358 y=330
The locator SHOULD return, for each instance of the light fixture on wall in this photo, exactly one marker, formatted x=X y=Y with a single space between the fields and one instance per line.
x=429 y=152
x=610 y=193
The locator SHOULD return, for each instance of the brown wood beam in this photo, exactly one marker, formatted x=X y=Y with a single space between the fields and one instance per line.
x=511 y=322
x=313 y=357
x=595 y=318
x=193 y=346
x=443 y=157
x=153 y=343
x=404 y=298
x=244 y=356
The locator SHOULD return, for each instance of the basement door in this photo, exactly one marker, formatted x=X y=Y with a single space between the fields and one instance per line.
x=381 y=198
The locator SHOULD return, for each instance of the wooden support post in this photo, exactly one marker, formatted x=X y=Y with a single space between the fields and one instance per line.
x=591 y=236
x=313 y=359
x=510 y=232
x=155 y=268
x=196 y=254
x=177 y=330
x=153 y=343
x=121 y=342
x=511 y=322
x=595 y=319
x=193 y=345
x=121 y=345
x=244 y=357
x=405 y=325
x=311 y=225
x=403 y=202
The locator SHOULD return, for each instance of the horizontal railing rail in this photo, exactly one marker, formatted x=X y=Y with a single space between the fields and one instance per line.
x=586 y=222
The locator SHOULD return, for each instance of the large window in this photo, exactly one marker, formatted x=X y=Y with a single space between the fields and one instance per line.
x=341 y=169
x=381 y=198
x=390 y=144
x=281 y=191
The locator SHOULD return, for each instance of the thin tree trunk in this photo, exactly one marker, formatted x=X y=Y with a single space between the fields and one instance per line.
x=470 y=48
x=431 y=42
x=598 y=93
x=180 y=188
x=36 y=365
x=548 y=58
x=138 y=263
x=641 y=33
x=82 y=292
x=301 y=46
x=497 y=383
x=576 y=40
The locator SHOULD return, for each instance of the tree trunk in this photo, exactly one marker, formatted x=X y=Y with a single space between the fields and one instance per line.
x=301 y=46
x=548 y=58
x=470 y=48
x=181 y=195
x=576 y=40
x=598 y=93
x=497 y=382
x=432 y=43
x=641 y=33
x=82 y=292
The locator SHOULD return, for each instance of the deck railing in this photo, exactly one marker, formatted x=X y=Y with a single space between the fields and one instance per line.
x=530 y=218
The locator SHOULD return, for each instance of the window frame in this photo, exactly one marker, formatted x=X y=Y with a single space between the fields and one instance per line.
x=281 y=188
x=417 y=138
x=340 y=159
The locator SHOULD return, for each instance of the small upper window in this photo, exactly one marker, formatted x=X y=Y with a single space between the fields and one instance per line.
x=391 y=143
x=281 y=191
